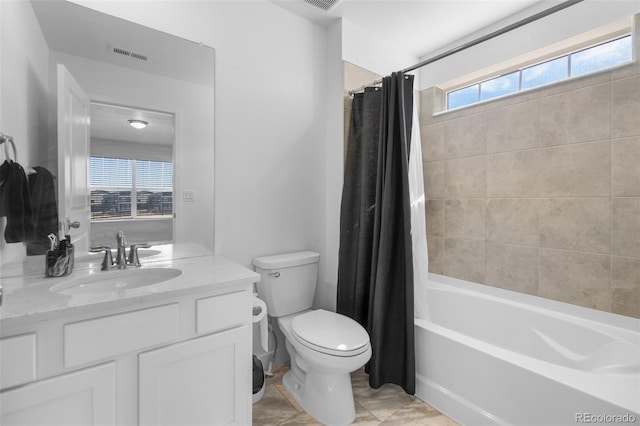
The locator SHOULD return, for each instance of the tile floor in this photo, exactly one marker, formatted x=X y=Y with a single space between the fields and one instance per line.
x=389 y=405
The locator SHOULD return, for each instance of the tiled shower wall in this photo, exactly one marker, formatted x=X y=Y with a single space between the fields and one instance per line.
x=540 y=192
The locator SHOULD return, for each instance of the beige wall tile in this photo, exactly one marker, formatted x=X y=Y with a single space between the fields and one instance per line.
x=626 y=301
x=464 y=218
x=512 y=128
x=512 y=221
x=626 y=71
x=512 y=174
x=512 y=267
x=465 y=137
x=354 y=76
x=427 y=106
x=579 y=278
x=435 y=218
x=625 y=286
x=347 y=124
x=433 y=173
x=576 y=116
x=438 y=101
x=464 y=259
x=569 y=171
x=625 y=167
x=435 y=248
x=625 y=95
x=563 y=171
x=625 y=229
x=581 y=170
x=545 y=163
x=465 y=177
x=432 y=138
x=580 y=224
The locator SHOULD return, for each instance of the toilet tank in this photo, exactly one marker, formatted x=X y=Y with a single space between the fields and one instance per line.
x=287 y=281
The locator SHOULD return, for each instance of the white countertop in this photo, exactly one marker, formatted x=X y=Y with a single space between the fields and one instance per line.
x=29 y=296
x=35 y=265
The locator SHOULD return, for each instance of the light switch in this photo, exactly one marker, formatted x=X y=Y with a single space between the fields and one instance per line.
x=189 y=195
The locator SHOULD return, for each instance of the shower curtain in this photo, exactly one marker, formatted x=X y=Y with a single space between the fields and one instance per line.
x=418 y=221
x=375 y=270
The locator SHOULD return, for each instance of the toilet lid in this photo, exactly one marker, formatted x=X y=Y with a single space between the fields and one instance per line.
x=330 y=332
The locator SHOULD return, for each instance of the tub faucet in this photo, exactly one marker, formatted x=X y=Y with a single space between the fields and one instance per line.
x=121 y=257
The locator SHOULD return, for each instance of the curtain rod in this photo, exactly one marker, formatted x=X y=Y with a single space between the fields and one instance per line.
x=481 y=39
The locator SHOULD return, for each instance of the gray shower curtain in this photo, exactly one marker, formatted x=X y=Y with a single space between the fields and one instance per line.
x=375 y=270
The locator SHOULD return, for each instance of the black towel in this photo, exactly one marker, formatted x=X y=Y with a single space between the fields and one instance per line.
x=45 y=210
x=15 y=203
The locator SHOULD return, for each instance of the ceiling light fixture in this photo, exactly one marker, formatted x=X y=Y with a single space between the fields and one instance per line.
x=138 y=124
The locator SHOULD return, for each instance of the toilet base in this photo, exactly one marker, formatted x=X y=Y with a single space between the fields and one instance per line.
x=328 y=398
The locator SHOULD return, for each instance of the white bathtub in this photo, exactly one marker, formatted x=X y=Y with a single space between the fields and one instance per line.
x=490 y=356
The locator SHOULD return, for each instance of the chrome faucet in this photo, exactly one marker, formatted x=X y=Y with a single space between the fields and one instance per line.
x=121 y=256
x=107 y=262
x=133 y=253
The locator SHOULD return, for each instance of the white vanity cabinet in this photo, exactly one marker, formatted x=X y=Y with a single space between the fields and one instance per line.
x=180 y=358
x=198 y=382
x=85 y=397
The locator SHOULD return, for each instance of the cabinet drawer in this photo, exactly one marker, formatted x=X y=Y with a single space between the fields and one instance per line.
x=17 y=360
x=220 y=312
x=104 y=337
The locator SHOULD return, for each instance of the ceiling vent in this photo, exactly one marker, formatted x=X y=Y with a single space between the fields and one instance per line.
x=325 y=5
x=129 y=53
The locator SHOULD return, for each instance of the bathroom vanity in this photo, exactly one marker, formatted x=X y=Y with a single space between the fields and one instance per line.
x=89 y=349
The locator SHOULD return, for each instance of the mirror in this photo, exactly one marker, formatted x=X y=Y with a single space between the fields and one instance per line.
x=133 y=72
x=130 y=174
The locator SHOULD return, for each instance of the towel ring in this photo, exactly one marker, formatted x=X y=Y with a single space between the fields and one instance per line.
x=4 y=139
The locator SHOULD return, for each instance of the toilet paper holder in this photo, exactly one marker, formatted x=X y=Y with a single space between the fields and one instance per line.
x=259 y=312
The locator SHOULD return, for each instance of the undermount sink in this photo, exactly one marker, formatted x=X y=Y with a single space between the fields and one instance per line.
x=116 y=280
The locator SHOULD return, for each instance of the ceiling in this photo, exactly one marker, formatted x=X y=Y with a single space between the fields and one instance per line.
x=80 y=31
x=419 y=26
x=110 y=122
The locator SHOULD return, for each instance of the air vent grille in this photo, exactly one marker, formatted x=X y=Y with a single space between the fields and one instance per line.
x=322 y=4
x=129 y=53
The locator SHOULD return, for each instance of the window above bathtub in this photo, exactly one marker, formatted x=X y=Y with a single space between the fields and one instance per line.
x=598 y=50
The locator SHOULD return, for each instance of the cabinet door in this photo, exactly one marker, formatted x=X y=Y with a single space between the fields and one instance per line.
x=204 y=381
x=85 y=397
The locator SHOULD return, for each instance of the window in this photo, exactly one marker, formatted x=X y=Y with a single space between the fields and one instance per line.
x=130 y=189
x=595 y=58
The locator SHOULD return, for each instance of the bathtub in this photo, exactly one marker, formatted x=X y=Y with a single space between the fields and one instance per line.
x=490 y=356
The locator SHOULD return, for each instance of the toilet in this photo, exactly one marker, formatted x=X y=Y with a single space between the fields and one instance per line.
x=324 y=346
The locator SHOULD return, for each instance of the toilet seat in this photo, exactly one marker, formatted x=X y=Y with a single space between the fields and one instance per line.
x=330 y=333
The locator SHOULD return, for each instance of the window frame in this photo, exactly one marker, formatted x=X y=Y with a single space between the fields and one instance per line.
x=566 y=53
x=134 y=189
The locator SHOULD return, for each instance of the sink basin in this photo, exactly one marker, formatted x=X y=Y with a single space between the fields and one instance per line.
x=116 y=280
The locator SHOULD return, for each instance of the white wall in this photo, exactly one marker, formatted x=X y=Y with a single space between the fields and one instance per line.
x=23 y=86
x=270 y=118
x=371 y=52
x=574 y=20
